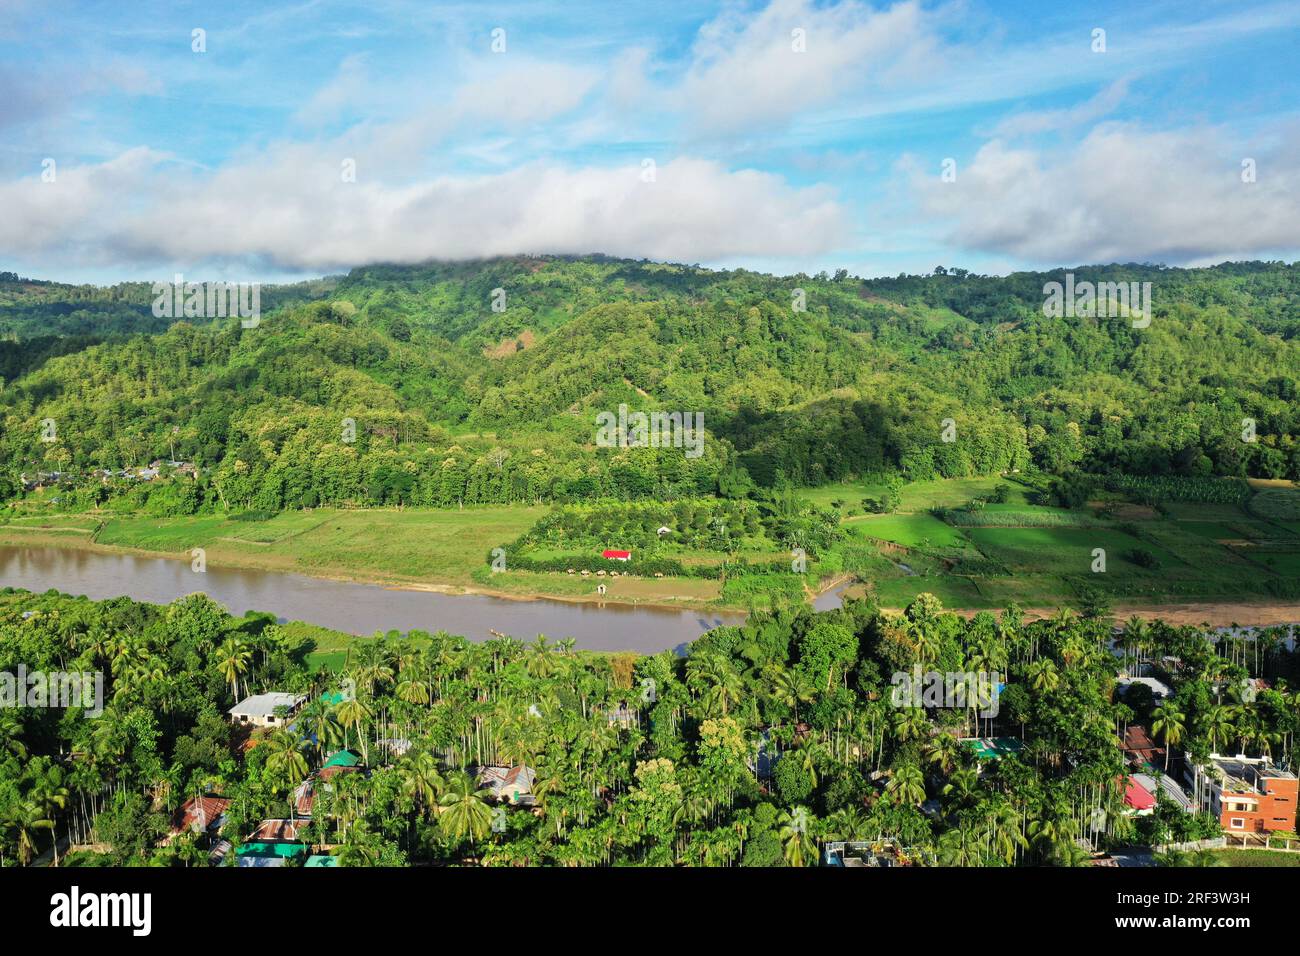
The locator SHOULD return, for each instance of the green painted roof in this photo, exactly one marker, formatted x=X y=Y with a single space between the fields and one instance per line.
x=334 y=697
x=344 y=758
x=987 y=748
x=322 y=861
x=272 y=849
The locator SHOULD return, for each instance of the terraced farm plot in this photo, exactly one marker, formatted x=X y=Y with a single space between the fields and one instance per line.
x=163 y=534
x=75 y=523
x=1020 y=516
x=1213 y=530
x=1286 y=563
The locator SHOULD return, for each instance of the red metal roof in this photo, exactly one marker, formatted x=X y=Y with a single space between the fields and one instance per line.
x=610 y=553
x=200 y=813
x=1137 y=796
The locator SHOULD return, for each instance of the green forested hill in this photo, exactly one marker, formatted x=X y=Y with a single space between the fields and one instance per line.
x=455 y=402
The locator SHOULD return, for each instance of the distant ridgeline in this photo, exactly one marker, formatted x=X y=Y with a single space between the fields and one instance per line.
x=448 y=384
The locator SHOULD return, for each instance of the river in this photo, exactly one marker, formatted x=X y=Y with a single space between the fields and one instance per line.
x=355 y=608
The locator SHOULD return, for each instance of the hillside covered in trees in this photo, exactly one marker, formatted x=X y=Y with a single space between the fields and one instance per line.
x=453 y=402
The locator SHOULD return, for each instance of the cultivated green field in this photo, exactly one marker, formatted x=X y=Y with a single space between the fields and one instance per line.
x=984 y=556
x=910 y=530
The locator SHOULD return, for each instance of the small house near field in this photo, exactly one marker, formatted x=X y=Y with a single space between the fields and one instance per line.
x=260 y=709
x=616 y=555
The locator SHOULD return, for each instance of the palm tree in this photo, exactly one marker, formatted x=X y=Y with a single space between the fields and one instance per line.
x=465 y=815
x=1006 y=835
x=284 y=755
x=317 y=720
x=420 y=780
x=1043 y=675
x=962 y=787
x=1071 y=854
x=943 y=751
x=413 y=690
x=1168 y=723
x=49 y=794
x=355 y=713
x=22 y=820
x=789 y=687
x=796 y=836
x=715 y=680
x=233 y=660
x=1217 y=724
x=906 y=785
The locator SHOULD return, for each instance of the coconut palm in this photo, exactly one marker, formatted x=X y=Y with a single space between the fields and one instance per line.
x=284 y=755
x=943 y=751
x=464 y=814
x=906 y=785
x=795 y=829
x=22 y=820
x=420 y=780
x=233 y=660
x=1168 y=723
x=355 y=713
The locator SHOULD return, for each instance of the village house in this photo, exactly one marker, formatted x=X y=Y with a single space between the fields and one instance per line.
x=304 y=798
x=202 y=815
x=622 y=716
x=271 y=844
x=1139 y=800
x=1140 y=749
x=1162 y=784
x=616 y=555
x=509 y=784
x=260 y=710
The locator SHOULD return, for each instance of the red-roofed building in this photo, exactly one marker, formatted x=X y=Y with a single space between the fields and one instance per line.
x=614 y=555
x=1140 y=748
x=275 y=830
x=1141 y=800
x=200 y=815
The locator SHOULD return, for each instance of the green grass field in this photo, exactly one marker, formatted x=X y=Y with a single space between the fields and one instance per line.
x=909 y=530
x=409 y=545
x=1033 y=555
x=1063 y=550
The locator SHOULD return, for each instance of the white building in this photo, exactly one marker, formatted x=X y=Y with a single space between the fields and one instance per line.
x=260 y=709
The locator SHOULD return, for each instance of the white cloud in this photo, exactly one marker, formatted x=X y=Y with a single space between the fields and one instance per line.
x=1123 y=193
x=1054 y=121
x=346 y=89
x=493 y=96
x=746 y=74
x=289 y=209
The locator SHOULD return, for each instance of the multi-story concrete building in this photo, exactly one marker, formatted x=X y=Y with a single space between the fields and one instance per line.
x=1247 y=794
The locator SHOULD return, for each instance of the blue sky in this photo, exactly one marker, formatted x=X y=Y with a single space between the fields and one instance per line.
x=784 y=136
